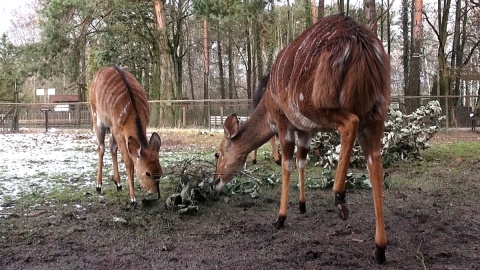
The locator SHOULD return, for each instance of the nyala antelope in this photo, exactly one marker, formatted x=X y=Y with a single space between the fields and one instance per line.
x=119 y=104
x=334 y=77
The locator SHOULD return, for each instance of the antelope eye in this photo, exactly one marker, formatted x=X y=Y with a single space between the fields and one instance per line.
x=148 y=174
x=217 y=155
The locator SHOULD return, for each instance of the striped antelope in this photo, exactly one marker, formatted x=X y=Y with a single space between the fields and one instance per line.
x=334 y=77
x=120 y=105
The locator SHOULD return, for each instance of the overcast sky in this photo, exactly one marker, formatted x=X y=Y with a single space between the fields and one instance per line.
x=6 y=9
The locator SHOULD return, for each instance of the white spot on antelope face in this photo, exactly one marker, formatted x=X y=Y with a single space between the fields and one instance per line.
x=301 y=97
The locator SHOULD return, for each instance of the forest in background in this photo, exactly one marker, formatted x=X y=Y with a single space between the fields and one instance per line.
x=218 y=49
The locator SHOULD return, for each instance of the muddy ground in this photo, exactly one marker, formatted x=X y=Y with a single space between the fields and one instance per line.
x=431 y=226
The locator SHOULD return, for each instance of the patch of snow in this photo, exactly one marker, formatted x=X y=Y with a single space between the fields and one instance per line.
x=41 y=162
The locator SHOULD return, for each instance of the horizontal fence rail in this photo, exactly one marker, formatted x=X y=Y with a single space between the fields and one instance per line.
x=203 y=114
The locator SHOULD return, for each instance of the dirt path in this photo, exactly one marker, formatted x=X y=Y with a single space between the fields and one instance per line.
x=427 y=229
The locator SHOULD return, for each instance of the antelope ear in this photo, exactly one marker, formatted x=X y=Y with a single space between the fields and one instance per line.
x=134 y=147
x=155 y=142
x=231 y=126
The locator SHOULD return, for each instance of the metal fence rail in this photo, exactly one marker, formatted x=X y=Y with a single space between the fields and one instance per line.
x=197 y=114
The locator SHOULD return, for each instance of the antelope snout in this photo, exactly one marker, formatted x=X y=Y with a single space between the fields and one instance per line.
x=154 y=189
x=217 y=184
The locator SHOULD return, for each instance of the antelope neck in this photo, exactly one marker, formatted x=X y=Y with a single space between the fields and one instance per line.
x=257 y=130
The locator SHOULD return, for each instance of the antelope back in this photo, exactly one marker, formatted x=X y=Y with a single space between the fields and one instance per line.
x=335 y=64
x=117 y=96
x=119 y=103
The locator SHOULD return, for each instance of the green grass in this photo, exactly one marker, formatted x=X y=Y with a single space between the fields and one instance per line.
x=445 y=152
x=445 y=166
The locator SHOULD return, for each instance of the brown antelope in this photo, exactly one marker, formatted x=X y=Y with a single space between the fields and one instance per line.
x=255 y=101
x=334 y=77
x=120 y=105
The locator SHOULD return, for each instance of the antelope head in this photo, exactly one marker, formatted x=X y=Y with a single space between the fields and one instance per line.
x=146 y=164
x=231 y=155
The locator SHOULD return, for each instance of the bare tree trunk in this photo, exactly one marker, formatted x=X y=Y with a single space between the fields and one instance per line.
x=221 y=73
x=206 y=71
x=321 y=9
x=413 y=87
x=206 y=59
x=444 y=76
x=341 y=6
x=190 y=73
x=249 y=63
x=258 y=52
x=289 y=19
x=167 y=88
x=314 y=9
x=231 y=71
x=271 y=40
x=406 y=40
x=307 y=5
x=456 y=62
x=370 y=14
x=388 y=29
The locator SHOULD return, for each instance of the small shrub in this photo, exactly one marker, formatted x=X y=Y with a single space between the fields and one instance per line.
x=405 y=136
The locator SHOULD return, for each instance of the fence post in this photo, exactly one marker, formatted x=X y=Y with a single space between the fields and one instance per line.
x=221 y=115
x=447 y=112
x=46 y=110
x=184 y=116
x=209 y=114
x=15 y=111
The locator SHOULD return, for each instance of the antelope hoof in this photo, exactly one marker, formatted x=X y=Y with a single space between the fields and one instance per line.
x=254 y=161
x=279 y=161
x=119 y=187
x=343 y=211
x=380 y=254
x=302 y=206
x=133 y=202
x=99 y=189
x=279 y=224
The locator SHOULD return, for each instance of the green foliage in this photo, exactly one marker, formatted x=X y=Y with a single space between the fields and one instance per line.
x=8 y=69
x=64 y=22
x=405 y=136
x=220 y=10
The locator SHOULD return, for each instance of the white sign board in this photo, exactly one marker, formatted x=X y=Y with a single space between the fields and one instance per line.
x=51 y=91
x=40 y=92
x=61 y=108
